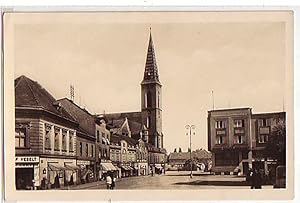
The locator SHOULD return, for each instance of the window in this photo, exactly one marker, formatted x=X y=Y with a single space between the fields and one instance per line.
x=158 y=99
x=64 y=140
x=148 y=122
x=80 y=148
x=263 y=138
x=87 y=150
x=71 y=142
x=264 y=122
x=98 y=136
x=56 y=139
x=220 y=139
x=20 y=137
x=47 y=137
x=219 y=124
x=238 y=139
x=92 y=150
x=239 y=123
x=149 y=100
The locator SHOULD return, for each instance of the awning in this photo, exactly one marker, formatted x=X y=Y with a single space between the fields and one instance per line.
x=72 y=167
x=118 y=169
x=56 y=167
x=127 y=168
x=108 y=167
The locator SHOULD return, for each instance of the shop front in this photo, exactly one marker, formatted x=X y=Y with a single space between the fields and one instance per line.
x=126 y=171
x=27 y=172
x=86 y=173
x=142 y=169
x=55 y=172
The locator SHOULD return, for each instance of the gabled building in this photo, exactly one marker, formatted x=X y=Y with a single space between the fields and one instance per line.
x=45 y=138
x=237 y=139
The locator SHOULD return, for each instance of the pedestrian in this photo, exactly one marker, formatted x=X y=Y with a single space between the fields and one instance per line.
x=56 y=181
x=113 y=182
x=251 y=178
x=257 y=179
x=108 y=182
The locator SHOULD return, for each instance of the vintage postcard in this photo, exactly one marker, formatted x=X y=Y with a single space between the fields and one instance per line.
x=148 y=105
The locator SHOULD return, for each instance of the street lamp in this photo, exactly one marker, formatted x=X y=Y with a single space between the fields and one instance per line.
x=190 y=128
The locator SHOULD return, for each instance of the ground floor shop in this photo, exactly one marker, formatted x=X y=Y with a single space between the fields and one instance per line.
x=142 y=169
x=27 y=172
x=107 y=167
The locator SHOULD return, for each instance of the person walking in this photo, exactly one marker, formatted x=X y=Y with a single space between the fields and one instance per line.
x=108 y=182
x=113 y=181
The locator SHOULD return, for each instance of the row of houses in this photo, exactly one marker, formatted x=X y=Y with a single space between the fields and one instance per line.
x=240 y=140
x=59 y=143
x=58 y=138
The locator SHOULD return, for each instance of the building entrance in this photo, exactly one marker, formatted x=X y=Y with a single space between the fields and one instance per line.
x=24 y=177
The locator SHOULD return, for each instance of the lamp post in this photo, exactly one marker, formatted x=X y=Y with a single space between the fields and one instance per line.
x=190 y=132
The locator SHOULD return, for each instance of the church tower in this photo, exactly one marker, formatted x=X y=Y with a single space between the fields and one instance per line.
x=151 y=98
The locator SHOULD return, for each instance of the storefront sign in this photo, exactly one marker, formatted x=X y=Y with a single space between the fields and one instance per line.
x=27 y=159
x=83 y=162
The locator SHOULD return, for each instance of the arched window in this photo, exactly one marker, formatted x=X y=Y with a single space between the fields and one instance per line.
x=149 y=101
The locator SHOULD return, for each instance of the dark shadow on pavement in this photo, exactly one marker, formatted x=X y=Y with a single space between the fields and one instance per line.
x=215 y=183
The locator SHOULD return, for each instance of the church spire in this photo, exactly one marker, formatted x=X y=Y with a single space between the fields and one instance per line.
x=151 y=70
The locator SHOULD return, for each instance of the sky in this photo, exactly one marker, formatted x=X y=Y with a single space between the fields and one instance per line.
x=103 y=55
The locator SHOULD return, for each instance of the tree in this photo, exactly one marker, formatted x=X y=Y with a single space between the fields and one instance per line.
x=276 y=145
x=179 y=149
x=175 y=150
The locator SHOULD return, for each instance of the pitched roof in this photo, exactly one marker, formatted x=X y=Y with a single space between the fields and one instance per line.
x=29 y=93
x=151 y=70
x=198 y=154
x=117 y=138
x=133 y=116
x=83 y=117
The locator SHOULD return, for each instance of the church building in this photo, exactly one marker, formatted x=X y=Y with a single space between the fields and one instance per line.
x=146 y=124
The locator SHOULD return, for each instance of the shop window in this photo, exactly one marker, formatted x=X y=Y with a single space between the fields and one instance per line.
x=47 y=137
x=20 y=137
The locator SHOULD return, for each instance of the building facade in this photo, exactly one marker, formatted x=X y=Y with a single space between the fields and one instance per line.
x=45 y=139
x=236 y=138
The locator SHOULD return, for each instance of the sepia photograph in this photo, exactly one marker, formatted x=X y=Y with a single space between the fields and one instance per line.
x=149 y=101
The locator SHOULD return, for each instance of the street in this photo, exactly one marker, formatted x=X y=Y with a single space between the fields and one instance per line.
x=175 y=180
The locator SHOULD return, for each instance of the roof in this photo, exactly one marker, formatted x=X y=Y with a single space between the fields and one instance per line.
x=118 y=138
x=271 y=114
x=133 y=116
x=198 y=154
x=151 y=70
x=83 y=117
x=230 y=109
x=29 y=93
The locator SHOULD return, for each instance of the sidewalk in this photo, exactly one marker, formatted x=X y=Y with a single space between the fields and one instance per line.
x=82 y=186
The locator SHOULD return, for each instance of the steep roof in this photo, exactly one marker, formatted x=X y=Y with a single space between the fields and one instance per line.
x=29 y=93
x=151 y=70
x=117 y=138
x=133 y=116
x=83 y=117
